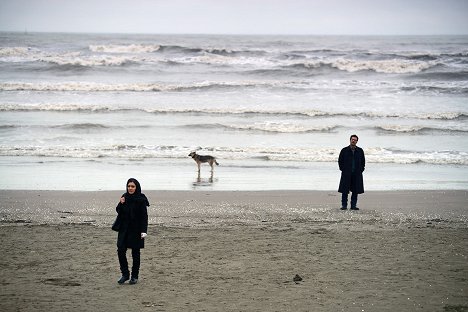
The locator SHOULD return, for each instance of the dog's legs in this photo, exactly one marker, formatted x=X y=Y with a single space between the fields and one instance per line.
x=198 y=167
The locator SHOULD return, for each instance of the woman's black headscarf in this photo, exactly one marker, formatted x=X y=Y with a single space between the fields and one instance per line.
x=138 y=195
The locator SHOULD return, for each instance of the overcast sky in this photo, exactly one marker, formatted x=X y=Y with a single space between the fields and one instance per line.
x=362 y=17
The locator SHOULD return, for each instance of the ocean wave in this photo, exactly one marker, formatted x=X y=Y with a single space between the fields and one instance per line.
x=226 y=52
x=270 y=72
x=422 y=57
x=257 y=63
x=379 y=66
x=8 y=127
x=29 y=55
x=273 y=127
x=418 y=56
x=443 y=76
x=267 y=126
x=440 y=115
x=291 y=127
x=382 y=155
x=85 y=126
x=63 y=107
x=380 y=55
x=343 y=60
x=81 y=126
x=57 y=107
x=130 y=87
x=130 y=48
x=436 y=89
x=419 y=129
x=210 y=50
x=151 y=48
x=14 y=51
x=71 y=126
x=140 y=152
x=177 y=49
x=80 y=86
x=278 y=127
x=290 y=85
x=88 y=61
x=217 y=59
x=323 y=65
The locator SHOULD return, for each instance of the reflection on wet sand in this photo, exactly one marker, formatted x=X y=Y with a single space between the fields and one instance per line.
x=201 y=182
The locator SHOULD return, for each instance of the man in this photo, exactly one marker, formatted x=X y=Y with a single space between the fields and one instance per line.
x=352 y=164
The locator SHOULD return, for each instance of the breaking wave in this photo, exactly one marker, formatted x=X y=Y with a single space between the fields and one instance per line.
x=273 y=127
x=120 y=55
x=378 y=66
x=425 y=87
x=232 y=111
x=373 y=154
x=131 y=48
x=14 y=51
x=419 y=129
x=130 y=87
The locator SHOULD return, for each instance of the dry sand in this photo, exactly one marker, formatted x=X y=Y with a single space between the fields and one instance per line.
x=238 y=251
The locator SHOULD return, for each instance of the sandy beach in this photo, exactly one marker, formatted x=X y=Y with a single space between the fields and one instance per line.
x=238 y=251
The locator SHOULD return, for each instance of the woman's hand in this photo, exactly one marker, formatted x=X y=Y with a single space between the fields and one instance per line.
x=122 y=199
x=143 y=235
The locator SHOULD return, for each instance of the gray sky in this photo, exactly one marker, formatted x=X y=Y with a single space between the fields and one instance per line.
x=362 y=17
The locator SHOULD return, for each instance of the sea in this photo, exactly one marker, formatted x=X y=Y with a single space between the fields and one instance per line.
x=88 y=111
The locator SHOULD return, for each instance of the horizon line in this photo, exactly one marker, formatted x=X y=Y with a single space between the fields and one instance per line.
x=226 y=34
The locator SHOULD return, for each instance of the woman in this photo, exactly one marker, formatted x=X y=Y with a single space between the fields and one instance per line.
x=132 y=232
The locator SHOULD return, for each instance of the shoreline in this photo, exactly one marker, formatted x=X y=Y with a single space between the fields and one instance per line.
x=34 y=173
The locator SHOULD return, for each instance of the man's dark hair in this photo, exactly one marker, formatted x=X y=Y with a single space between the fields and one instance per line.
x=353 y=135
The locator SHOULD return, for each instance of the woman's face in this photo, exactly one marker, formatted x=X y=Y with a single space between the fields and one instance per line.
x=131 y=188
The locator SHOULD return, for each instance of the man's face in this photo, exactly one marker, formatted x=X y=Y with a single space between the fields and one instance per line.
x=353 y=141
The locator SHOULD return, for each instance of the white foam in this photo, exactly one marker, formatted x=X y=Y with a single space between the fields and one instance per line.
x=281 y=127
x=401 y=128
x=23 y=54
x=297 y=154
x=381 y=66
x=134 y=87
x=76 y=58
x=80 y=86
x=432 y=127
x=216 y=59
x=196 y=109
x=382 y=155
x=131 y=48
x=133 y=53
x=13 y=51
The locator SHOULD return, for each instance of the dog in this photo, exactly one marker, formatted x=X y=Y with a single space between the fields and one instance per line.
x=199 y=159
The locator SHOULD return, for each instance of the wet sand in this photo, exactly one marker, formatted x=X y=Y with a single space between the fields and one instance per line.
x=238 y=251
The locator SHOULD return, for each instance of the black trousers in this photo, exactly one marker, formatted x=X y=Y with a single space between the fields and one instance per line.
x=122 y=253
x=354 y=195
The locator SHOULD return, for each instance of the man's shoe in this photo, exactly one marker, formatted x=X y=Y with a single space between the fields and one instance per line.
x=343 y=208
x=123 y=279
x=133 y=281
x=354 y=208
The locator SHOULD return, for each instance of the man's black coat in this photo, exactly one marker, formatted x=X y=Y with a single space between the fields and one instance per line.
x=345 y=161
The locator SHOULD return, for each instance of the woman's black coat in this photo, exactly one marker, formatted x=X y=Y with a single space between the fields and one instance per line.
x=134 y=216
x=345 y=162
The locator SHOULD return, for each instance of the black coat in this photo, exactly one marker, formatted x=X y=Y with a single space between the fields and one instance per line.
x=134 y=216
x=345 y=162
